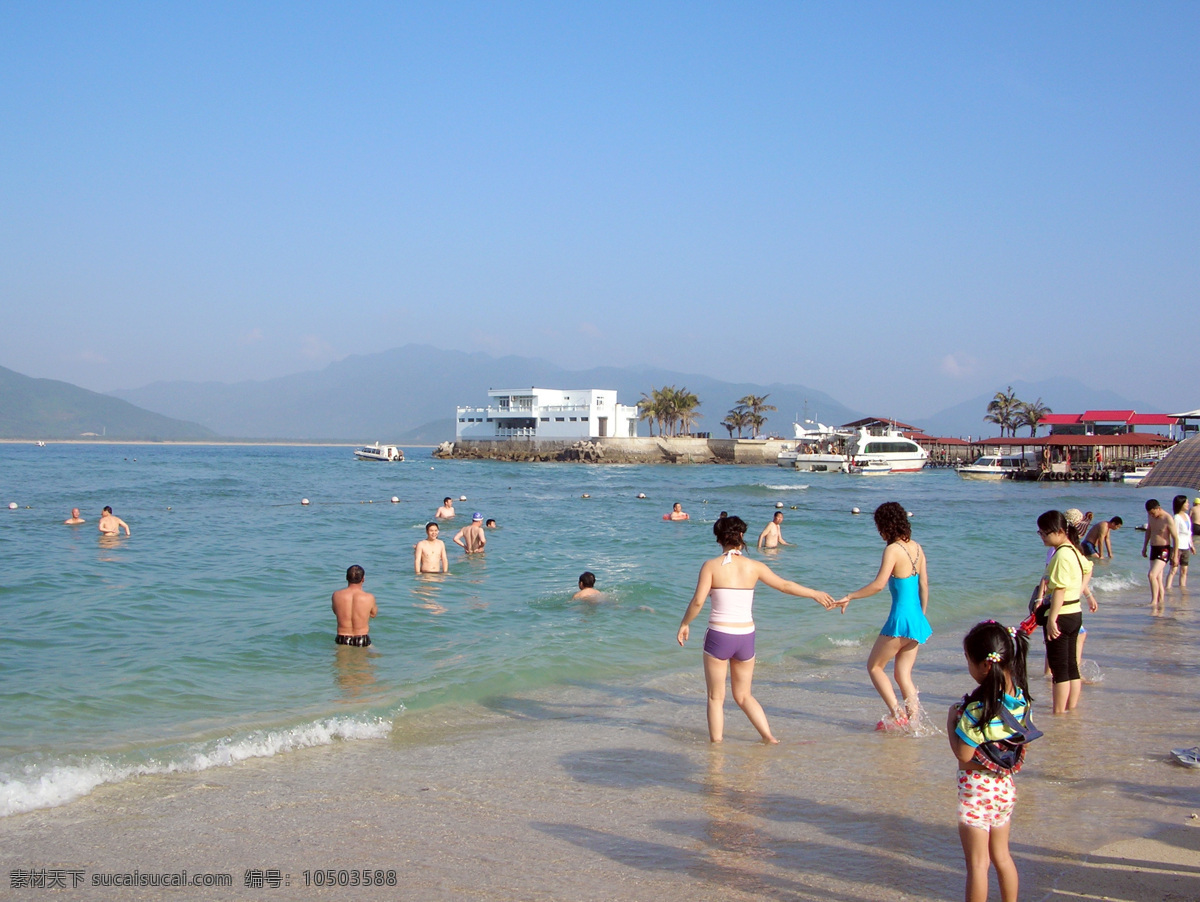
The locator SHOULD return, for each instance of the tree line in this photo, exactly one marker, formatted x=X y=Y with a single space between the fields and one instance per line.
x=675 y=410
x=1010 y=413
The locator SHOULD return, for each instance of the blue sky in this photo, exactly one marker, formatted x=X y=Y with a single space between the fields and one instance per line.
x=902 y=205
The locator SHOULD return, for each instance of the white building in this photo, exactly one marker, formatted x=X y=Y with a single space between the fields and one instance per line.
x=547 y=413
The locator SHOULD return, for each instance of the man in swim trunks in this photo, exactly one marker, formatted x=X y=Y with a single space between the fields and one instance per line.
x=429 y=554
x=1099 y=538
x=587 y=588
x=677 y=513
x=772 y=534
x=354 y=609
x=471 y=538
x=446 y=511
x=1161 y=536
x=110 y=525
x=75 y=518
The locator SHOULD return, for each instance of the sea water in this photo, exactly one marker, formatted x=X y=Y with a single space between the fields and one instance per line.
x=205 y=638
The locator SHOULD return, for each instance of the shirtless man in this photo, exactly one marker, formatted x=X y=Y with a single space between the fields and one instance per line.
x=677 y=513
x=471 y=538
x=587 y=588
x=354 y=609
x=429 y=554
x=76 y=519
x=1098 y=543
x=1184 y=545
x=446 y=511
x=1161 y=536
x=110 y=525
x=772 y=534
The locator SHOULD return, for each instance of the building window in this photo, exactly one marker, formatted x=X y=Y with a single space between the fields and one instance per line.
x=545 y=419
x=585 y=419
x=574 y=419
x=559 y=419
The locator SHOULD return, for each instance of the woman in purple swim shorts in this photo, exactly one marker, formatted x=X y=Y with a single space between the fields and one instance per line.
x=729 y=579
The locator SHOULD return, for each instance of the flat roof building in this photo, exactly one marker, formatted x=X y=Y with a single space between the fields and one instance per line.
x=547 y=413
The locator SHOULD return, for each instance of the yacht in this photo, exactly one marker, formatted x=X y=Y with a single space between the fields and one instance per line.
x=902 y=455
x=821 y=449
x=998 y=466
x=379 y=452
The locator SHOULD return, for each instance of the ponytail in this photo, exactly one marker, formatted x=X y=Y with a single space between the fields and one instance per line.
x=1008 y=651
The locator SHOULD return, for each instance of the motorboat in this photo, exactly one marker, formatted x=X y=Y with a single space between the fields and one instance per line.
x=902 y=455
x=871 y=468
x=1136 y=475
x=379 y=452
x=998 y=466
x=820 y=449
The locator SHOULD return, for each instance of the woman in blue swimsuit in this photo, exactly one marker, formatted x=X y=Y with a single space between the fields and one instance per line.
x=902 y=570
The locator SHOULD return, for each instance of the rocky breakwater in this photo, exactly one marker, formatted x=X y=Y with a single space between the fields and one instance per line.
x=641 y=450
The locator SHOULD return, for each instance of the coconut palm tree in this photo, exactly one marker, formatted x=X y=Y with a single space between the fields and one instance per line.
x=1030 y=414
x=684 y=405
x=735 y=419
x=1002 y=411
x=756 y=406
x=650 y=409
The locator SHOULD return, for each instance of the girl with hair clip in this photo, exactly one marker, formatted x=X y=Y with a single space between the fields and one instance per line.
x=1068 y=573
x=988 y=730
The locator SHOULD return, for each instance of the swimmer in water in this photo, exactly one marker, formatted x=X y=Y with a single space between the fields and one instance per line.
x=446 y=511
x=772 y=534
x=471 y=538
x=75 y=518
x=429 y=554
x=677 y=513
x=111 y=525
x=354 y=609
x=729 y=579
x=490 y=524
x=587 y=588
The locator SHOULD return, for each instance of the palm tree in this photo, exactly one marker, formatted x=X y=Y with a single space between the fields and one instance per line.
x=755 y=406
x=684 y=407
x=650 y=409
x=1002 y=410
x=1030 y=414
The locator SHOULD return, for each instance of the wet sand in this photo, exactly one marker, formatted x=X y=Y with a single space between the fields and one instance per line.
x=613 y=792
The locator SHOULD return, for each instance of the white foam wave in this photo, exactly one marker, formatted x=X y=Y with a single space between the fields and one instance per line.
x=845 y=643
x=1113 y=582
x=783 y=488
x=48 y=785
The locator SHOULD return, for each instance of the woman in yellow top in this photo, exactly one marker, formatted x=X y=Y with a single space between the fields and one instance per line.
x=1067 y=578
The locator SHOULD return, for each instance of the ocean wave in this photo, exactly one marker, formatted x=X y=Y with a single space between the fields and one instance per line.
x=783 y=488
x=845 y=643
x=1114 y=582
x=50 y=784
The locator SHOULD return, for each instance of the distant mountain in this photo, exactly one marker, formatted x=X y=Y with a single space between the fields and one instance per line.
x=1061 y=395
x=49 y=409
x=409 y=394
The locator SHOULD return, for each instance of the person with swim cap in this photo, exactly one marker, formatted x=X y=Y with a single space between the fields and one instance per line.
x=446 y=511
x=353 y=607
x=110 y=525
x=429 y=554
x=471 y=538
x=677 y=513
x=587 y=588
x=75 y=518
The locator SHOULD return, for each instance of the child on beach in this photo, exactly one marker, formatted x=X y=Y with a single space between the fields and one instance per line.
x=987 y=731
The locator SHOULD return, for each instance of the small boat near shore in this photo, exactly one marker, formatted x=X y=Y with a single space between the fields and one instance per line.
x=999 y=466
x=871 y=468
x=379 y=452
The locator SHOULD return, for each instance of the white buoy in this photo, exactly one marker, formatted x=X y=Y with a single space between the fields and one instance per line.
x=779 y=504
x=909 y=513
x=12 y=505
x=854 y=510
x=304 y=501
x=395 y=500
x=641 y=494
x=462 y=497
x=585 y=495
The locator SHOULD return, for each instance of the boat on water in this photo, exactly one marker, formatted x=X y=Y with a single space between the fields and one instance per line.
x=820 y=449
x=830 y=451
x=1138 y=473
x=870 y=468
x=379 y=452
x=998 y=466
x=902 y=455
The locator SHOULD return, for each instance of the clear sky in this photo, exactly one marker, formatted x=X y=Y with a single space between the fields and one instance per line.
x=902 y=205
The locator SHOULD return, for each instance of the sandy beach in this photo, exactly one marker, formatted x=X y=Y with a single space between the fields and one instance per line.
x=605 y=791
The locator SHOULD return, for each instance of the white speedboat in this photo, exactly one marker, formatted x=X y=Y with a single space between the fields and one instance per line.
x=818 y=450
x=871 y=468
x=379 y=452
x=1136 y=475
x=998 y=466
x=902 y=455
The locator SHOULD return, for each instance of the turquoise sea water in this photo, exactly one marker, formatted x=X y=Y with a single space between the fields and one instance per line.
x=206 y=637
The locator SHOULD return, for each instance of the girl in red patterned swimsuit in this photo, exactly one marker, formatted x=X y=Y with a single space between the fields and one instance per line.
x=996 y=711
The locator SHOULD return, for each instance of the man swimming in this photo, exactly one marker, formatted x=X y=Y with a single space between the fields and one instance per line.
x=1161 y=537
x=75 y=518
x=677 y=513
x=471 y=538
x=110 y=525
x=587 y=588
x=429 y=554
x=354 y=609
x=772 y=534
x=446 y=511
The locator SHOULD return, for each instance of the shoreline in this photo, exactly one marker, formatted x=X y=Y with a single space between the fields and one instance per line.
x=610 y=790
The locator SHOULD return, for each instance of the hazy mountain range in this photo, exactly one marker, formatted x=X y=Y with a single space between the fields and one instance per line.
x=409 y=395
